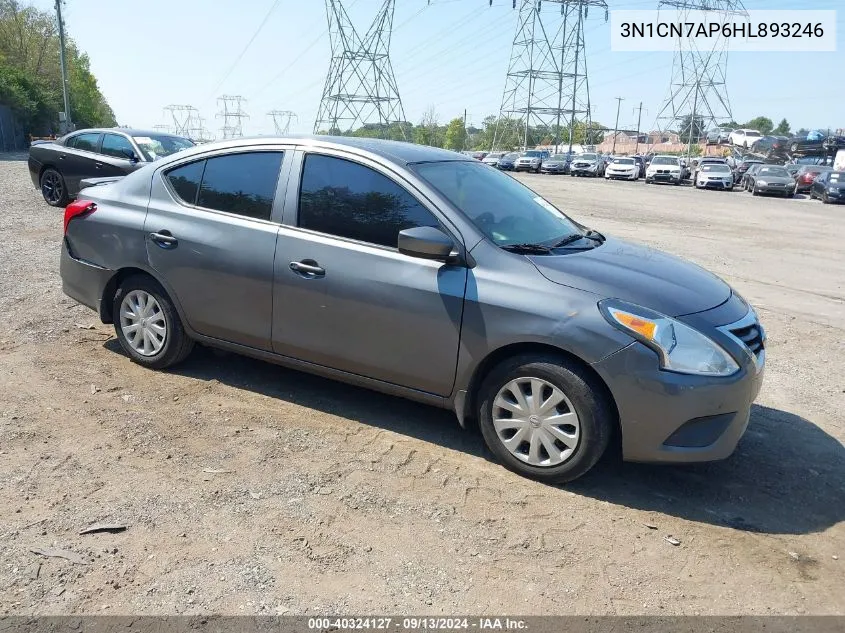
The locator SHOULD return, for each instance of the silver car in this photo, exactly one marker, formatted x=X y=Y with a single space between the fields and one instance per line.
x=424 y=274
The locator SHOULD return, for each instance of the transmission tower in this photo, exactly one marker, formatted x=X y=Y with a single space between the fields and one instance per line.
x=360 y=87
x=546 y=93
x=182 y=118
x=698 y=90
x=232 y=113
x=199 y=133
x=281 y=121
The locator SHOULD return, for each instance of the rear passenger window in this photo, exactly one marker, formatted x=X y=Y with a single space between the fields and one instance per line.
x=346 y=199
x=244 y=184
x=87 y=142
x=186 y=180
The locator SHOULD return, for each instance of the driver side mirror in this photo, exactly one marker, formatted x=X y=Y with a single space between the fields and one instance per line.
x=131 y=155
x=426 y=242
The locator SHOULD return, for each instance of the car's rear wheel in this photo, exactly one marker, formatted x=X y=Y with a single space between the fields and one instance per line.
x=545 y=417
x=53 y=188
x=147 y=324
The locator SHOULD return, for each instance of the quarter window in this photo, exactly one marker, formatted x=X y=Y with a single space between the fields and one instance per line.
x=116 y=145
x=349 y=200
x=186 y=180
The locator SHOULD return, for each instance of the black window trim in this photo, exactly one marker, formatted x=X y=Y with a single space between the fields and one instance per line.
x=278 y=196
x=292 y=222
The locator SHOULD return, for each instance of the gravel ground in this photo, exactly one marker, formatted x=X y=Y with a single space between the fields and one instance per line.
x=248 y=488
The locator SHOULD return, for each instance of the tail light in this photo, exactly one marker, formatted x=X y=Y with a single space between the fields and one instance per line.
x=78 y=209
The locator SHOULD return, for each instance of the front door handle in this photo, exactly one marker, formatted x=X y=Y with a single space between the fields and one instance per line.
x=98 y=165
x=308 y=268
x=164 y=239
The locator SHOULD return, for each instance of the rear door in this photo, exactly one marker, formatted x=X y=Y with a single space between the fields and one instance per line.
x=79 y=159
x=361 y=306
x=211 y=236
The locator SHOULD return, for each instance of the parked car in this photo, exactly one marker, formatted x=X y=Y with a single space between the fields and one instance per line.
x=622 y=167
x=742 y=167
x=718 y=136
x=772 y=179
x=770 y=146
x=714 y=176
x=641 y=165
x=556 y=164
x=706 y=160
x=530 y=160
x=792 y=168
x=664 y=169
x=814 y=159
x=744 y=137
x=806 y=176
x=816 y=142
x=507 y=162
x=452 y=291
x=492 y=158
x=748 y=176
x=587 y=164
x=57 y=167
x=829 y=187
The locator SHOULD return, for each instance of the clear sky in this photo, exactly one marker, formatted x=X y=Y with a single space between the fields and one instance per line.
x=452 y=54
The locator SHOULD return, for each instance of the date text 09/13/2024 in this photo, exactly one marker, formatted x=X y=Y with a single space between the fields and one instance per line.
x=416 y=624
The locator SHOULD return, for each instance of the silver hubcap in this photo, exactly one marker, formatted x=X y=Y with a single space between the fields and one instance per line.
x=536 y=422
x=142 y=323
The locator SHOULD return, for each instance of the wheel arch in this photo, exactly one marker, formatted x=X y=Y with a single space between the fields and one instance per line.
x=110 y=289
x=469 y=403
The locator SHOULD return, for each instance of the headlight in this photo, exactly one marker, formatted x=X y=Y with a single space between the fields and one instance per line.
x=832 y=190
x=679 y=347
x=762 y=182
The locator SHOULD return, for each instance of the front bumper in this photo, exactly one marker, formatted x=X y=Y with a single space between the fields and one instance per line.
x=657 y=177
x=715 y=184
x=677 y=418
x=525 y=167
x=630 y=175
x=774 y=189
x=837 y=196
x=587 y=171
x=82 y=281
x=553 y=169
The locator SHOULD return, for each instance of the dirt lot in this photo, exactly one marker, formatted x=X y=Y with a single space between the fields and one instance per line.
x=248 y=488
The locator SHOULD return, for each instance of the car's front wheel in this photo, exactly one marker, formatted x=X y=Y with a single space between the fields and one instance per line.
x=147 y=324
x=545 y=417
x=53 y=188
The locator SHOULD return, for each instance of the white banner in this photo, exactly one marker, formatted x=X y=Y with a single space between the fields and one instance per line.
x=751 y=31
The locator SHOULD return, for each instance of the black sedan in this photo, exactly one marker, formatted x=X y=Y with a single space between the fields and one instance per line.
x=816 y=143
x=771 y=146
x=57 y=167
x=829 y=187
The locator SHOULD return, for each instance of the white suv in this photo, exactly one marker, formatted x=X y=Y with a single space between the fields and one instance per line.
x=744 y=138
x=664 y=169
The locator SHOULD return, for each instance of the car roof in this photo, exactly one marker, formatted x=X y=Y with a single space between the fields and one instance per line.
x=123 y=130
x=397 y=152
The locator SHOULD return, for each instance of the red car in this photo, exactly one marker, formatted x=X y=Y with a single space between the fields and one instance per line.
x=805 y=176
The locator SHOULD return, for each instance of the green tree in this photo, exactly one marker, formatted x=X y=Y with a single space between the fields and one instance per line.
x=691 y=131
x=802 y=132
x=761 y=123
x=782 y=129
x=456 y=134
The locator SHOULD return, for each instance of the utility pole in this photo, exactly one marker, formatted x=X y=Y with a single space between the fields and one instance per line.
x=61 y=22
x=639 y=120
x=465 y=129
x=619 y=101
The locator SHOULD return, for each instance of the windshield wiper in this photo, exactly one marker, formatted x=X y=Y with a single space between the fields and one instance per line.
x=594 y=235
x=574 y=237
x=537 y=249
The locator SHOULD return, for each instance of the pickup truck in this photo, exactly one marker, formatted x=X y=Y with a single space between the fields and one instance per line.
x=58 y=167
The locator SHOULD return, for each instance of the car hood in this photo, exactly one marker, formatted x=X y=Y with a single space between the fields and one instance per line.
x=836 y=185
x=783 y=180
x=637 y=274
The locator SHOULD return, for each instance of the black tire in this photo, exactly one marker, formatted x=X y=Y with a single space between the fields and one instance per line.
x=825 y=198
x=177 y=344
x=595 y=412
x=754 y=191
x=53 y=188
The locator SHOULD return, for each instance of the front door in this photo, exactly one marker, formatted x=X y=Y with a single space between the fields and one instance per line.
x=211 y=235
x=114 y=160
x=346 y=298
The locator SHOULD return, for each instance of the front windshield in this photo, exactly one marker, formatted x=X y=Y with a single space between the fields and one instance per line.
x=160 y=145
x=504 y=210
x=716 y=167
x=664 y=160
x=774 y=172
x=512 y=156
x=587 y=157
x=560 y=157
x=752 y=133
x=623 y=161
x=532 y=154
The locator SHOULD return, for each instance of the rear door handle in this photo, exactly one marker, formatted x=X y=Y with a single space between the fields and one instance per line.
x=164 y=239
x=308 y=268
x=98 y=165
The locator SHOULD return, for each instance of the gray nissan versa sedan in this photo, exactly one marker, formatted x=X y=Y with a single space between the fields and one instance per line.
x=425 y=274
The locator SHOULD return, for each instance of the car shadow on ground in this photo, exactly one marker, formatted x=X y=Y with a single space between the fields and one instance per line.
x=13 y=156
x=786 y=477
